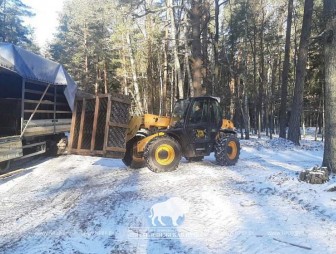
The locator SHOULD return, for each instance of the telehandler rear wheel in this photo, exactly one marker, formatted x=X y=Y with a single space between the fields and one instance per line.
x=162 y=154
x=227 y=150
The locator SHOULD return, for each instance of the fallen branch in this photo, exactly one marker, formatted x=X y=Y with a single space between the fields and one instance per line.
x=293 y=244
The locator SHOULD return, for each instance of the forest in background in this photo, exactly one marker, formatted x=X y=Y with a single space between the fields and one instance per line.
x=160 y=51
x=271 y=62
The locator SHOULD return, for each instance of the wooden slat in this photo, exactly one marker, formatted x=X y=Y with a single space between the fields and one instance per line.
x=103 y=95
x=35 y=144
x=22 y=103
x=95 y=123
x=115 y=149
x=107 y=127
x=55 y=101
x=47 y=111
x=73 y=125
x=87 y=152
x=46 y=131
x=113 y=124
x=48 y=122
x=81 y=128
x=120 y=100
x=39 y=92
x=46 y=102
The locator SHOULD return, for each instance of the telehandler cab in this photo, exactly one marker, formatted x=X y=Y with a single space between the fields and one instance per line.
x=195 y=129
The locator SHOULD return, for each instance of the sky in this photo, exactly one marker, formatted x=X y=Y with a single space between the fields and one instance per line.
x=45 y=21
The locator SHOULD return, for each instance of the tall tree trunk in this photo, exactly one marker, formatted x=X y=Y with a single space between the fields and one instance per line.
x=216 y=68
x=294 y=122
x=126 y=90
x=165 y=74
x=196 y=46
x=151 y=82
x=272 y=95
x=245 y=101
x=105 y=77
x=173 y=35
x=190 y=89
x=134 y=75
x=256 y=115
x=329 y=156
x=204 y=35
x=86 y=59
x=232 y=86
x=187 y=67
x=246 y=114
x=161 y=102
x=285 y=71
x=262 y=74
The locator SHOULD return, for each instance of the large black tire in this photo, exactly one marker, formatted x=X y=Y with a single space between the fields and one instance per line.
x=162 y=154
x=130 y=160
x=227 y=150
x=52 y=142
x=4 y=165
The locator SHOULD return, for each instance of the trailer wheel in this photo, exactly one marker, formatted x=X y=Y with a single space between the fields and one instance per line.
x=4 y=165
x=162 y=154
x=53 y=148
x=227 y=150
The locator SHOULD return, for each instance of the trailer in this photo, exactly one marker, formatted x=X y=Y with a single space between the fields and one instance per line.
x=36 y=101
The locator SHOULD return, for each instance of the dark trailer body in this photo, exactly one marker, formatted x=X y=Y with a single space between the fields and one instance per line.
x=36 y=101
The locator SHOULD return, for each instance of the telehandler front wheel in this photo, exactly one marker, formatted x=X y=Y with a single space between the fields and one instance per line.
x=162 y=154
x=130 y=159
x=227 y=150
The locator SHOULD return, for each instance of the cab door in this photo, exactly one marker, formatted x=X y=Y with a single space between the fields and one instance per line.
x=201 y=134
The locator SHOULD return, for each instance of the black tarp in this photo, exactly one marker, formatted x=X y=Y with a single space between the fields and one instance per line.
x=33 y=67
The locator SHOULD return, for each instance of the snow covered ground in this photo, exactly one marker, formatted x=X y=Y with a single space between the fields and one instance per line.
x=77 y=204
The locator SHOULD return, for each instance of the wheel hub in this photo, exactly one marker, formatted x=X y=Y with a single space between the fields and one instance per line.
x=165 y=154
x=232 y=150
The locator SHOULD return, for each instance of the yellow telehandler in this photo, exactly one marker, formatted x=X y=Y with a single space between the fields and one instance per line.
x=195 y=129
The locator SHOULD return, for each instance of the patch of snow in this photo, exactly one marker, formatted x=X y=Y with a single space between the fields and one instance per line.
x=96 y=205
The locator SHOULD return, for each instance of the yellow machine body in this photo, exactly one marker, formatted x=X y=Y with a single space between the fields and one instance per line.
x=227 y=124
x=152 y=122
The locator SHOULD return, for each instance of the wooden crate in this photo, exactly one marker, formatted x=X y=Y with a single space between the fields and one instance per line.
x=99 y=126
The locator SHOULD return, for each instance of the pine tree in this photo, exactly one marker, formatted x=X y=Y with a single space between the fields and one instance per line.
x=329 y=156
x=12 y=28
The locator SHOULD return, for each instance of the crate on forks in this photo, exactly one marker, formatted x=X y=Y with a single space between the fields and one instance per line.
x=99 y=126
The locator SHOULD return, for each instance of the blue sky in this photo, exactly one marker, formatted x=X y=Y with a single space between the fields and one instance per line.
x=45 y=21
